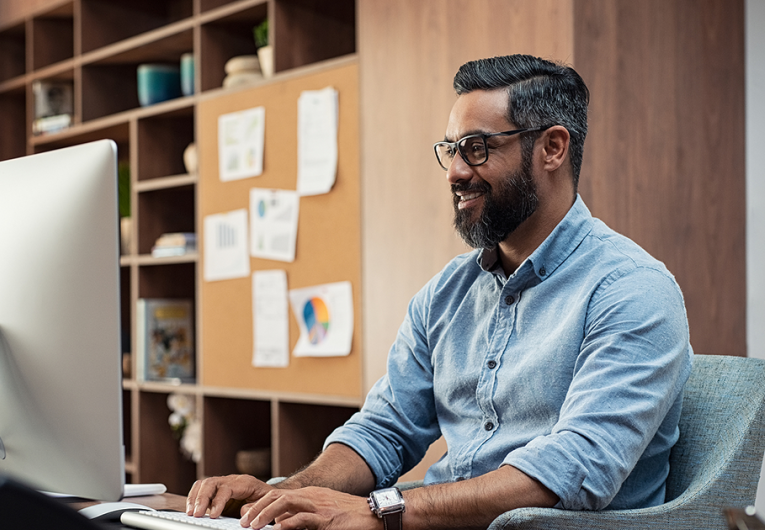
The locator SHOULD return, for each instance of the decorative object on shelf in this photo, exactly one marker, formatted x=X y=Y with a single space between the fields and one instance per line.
x=190 y=160
x=187 y=74
x=54 y=105
x=174 y=244
x=185 y=424
x=165 y=340
x=255 y=462
x=126 y=366
x=158 y=83
x=242 y=70
x=126 y=226
x=265 y=50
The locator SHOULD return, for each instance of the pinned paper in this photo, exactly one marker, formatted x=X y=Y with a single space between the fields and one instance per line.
x=241 y=138
x=225 y=246
x=325 y=317
x=317 y=141
x=270 y=314
x=273 y=223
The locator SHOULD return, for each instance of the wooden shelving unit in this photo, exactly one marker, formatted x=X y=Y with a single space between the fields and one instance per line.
x=97 y=45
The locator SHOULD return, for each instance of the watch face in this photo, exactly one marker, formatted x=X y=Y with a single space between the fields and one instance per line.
x=387 y=497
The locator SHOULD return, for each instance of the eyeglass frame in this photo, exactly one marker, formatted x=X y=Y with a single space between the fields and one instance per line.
x=483 y=137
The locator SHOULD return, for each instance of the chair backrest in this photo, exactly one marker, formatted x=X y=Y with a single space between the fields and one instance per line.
x=722 y=432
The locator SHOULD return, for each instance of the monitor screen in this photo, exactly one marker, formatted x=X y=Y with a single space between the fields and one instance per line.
x=60 y=378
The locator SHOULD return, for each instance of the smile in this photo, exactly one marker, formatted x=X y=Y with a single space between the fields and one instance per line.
x=466 y=197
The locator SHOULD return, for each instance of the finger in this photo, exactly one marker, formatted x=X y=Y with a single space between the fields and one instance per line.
x=191 y=497
x=273 y=505
x=299 y=521
x=213 y=495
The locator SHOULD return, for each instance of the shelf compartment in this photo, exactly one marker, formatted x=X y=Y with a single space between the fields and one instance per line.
x=232 y=425
x=119 y=132
x=13 y=125
x=176 y=280
x=309 y=31
x=127 y=425
x=110 y=84
x=164 y=211
x=227 y=37
x=161 y=459
x=106 y=22
x=125 y=309
x=162 y=140
x=53 y=36
x=13 y=52
x=302 y=430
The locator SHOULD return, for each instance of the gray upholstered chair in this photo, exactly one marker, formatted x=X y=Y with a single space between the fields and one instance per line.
x=715 y=464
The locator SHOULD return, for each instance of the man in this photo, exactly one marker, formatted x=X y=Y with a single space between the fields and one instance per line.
x=552 y=359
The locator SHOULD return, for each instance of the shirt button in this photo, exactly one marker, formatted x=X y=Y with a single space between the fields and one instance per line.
x=492 y=365
x=509 y=299
x=488 y=425
x=542 y=271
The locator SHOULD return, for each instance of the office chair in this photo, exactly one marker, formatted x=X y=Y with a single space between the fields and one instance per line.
x=715 y=464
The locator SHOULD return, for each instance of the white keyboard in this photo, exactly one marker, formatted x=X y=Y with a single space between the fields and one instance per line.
x=167 y=520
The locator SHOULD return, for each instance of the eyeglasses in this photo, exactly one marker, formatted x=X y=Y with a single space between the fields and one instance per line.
x=472 y=148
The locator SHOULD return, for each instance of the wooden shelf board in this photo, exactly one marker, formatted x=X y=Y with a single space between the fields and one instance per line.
x=159 y=387
x=160 y=183
x=148 y=259
x=60 y=70
x=286 y=75
x=16 y=84
x=228 y=10
x=143 y=47
x=280 y=397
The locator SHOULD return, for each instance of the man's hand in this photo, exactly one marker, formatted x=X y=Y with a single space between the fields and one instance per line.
x=311 y=508
x=216 y=492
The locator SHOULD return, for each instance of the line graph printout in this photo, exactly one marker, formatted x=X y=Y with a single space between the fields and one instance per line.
x=273 y=224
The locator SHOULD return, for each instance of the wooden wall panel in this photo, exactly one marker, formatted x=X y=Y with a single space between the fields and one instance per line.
x=408 y=55
x=664 y=159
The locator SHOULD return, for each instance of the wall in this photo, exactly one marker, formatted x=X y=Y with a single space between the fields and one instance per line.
x=408 y=53
x=755 y=192
x=664 y=160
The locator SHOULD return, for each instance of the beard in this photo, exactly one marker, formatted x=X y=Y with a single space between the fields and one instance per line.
x=505 y=206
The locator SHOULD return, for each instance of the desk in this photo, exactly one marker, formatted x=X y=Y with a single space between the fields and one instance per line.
x=166 y=501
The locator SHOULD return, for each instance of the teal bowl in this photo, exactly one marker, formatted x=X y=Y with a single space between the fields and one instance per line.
x=157 y=83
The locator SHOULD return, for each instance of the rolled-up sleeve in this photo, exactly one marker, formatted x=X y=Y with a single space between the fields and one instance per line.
x=398 y=421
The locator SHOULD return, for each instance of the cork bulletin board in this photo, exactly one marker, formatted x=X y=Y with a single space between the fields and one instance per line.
x=328 y=240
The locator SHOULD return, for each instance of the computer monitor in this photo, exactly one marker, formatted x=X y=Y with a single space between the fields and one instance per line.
x=60 y=368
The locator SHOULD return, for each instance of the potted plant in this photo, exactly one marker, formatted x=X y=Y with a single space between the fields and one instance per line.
x=265 y=50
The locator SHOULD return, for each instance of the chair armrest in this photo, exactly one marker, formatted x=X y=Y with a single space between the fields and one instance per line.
x=667 y=516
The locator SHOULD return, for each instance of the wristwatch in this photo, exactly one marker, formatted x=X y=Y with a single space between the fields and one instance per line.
x=388 y=505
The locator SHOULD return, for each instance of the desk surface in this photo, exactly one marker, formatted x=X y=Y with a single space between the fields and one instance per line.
x=166 y=501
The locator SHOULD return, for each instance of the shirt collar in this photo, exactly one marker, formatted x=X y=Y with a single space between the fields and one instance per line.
x=554 y=249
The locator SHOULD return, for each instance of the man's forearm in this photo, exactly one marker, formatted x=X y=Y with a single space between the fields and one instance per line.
x=474 y=503
x=339 y=468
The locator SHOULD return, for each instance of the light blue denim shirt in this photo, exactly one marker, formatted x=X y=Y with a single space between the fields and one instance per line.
x=570 y=370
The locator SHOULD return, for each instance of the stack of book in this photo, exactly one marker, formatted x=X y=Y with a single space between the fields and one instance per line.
x=175 y=244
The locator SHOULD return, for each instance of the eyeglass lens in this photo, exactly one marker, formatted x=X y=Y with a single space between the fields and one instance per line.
x=472 y=149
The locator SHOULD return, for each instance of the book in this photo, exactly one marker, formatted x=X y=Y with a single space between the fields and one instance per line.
x=174 y=244
x=165 y=340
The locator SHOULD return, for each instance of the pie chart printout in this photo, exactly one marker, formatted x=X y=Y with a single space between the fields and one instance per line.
x=316 y=316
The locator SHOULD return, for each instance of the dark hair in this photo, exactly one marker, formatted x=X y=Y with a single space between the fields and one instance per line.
x=540 y=93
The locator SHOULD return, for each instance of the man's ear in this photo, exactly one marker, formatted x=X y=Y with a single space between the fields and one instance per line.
x=554 y=143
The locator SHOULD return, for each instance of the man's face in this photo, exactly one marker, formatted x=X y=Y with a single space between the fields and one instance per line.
x=493 y=199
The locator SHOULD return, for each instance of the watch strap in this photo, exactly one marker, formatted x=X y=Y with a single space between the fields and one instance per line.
x=393 y=521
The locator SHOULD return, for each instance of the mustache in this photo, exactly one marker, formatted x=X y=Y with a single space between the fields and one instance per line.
x=481 y=186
